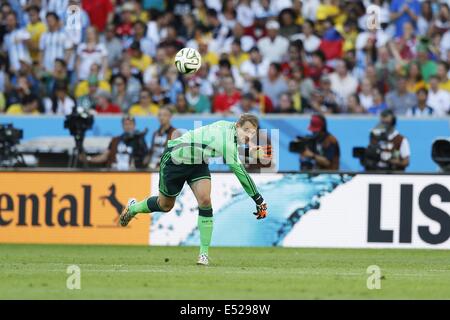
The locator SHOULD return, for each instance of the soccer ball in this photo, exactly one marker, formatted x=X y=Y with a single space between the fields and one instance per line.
x=188 y=60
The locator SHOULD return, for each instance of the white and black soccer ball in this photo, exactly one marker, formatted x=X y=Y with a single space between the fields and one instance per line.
x=188 y=60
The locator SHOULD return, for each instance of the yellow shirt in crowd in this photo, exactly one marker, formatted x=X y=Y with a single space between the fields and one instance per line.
x=36 y=30
x=141 y=63
x=17 y=109
x=82 y=88
x=138 y=110
x=238 y=60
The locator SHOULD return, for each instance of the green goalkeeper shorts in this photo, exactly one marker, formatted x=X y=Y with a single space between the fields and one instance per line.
x=172 y=176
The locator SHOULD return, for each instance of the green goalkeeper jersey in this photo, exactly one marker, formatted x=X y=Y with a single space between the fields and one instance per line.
x=218 y=139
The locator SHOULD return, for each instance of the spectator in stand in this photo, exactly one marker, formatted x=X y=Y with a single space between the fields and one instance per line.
x=293 y=59
x=299 y=103
x=100 y=12
x=90 y=52
x=443 y=75
x=60 y=102
x=311 y=42
x=288 y=26
x=239 y=33
x=29 y=105
x=223 y=102
x=113 y=47
x=353 y=105
x=170 y=84
x=274 y=46
x=87 y=100
x=400 y=100
x=246 y=105
x=198 y=102
x=317 y=67
x=125 y=28
x=438 y=99
x=330 y=98
x=15 y=42
x=343 y=83
x=379 y=105
x=138 y=59
x=159 y=64
x=132 y=79
x=208 y=56
x=274 y=84
x=147 y=46
x=145 y=106
x=365 y=96
x=386 y=69
x=422 y=109
x=21 y=87
x=104 y=103
x=320 y=105
x=414 y=78
x=120 y=96
x=263 y=102
x=54 y=44
x=255 y=68
x=93 y=79
x=237 y=56
x=59 y=74
x=223 y=70
x=36 y=29
x=427 y=66
x=181 y=106
x=403 y=11
x=307 y=86
x=286 y=104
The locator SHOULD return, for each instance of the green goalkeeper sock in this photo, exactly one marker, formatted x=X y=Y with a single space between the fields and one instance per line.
x=145 y=206
x=139 y=207
x=205 y=227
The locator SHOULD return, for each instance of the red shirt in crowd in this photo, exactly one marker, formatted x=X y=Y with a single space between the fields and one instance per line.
x=98 y=11
x=224 y=102
x=111 y=108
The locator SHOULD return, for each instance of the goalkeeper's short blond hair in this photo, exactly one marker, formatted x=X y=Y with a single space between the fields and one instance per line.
x=250 y=118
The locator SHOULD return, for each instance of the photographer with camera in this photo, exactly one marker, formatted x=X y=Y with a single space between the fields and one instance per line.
x=388 y=149
x=125 y=151
x=319 y=150
x=9 y=139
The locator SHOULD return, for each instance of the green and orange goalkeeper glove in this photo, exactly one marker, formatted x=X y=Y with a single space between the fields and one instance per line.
x=261 y=211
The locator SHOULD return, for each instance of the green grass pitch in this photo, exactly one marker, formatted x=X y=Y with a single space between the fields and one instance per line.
x=130 y=272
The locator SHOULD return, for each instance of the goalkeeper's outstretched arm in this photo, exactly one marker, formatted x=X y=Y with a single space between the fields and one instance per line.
x=249 y=186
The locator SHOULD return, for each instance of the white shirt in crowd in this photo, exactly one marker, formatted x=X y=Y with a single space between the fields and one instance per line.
x=343 y=87
x=278 y=5
x=255 y=70
x=63 y=107
x=14 y=44
x=445 y=45
x=245 y=15
x=365 y=101
x=310 y=43
x=415 y=112
x=54 y=46
x=88 y=57
x=273 y=51
x=247 y=42
x=309 y=9
x=439 y=101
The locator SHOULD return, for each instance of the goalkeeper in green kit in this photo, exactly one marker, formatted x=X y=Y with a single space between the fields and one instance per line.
x=186 y=160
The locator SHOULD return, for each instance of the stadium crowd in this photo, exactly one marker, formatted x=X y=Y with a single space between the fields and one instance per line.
x=283 y=56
